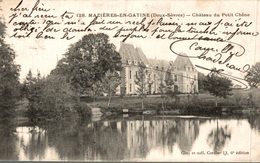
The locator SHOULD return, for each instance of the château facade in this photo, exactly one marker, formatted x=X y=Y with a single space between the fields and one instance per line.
x=184 y=74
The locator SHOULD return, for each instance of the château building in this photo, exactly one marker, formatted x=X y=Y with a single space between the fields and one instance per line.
x=184 y=74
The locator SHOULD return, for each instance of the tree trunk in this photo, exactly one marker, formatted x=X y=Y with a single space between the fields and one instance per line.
x=94 y=98
x=165 y=102
x=109 y=96
x=216 y=102
x=162 y=103
x=78 y=98
x=142 y=103
x=122 y=102
x=94 y=95
x=109 y=99
x=94 y=92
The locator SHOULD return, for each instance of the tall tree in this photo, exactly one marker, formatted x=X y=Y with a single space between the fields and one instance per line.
x=201 y=78
x=142 y=82
x=110 y=82
x=89 y=59
x=162 y=86
x=253 y=76
x=9 y=76
x=169 y=84
x=95 y=90
x=27 y=84
x=149 y=83
x=56 y=96
x=218 y=86
x=34 y=88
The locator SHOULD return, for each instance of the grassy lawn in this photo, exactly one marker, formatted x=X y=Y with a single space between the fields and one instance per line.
x=200 y=103
x=237 y=99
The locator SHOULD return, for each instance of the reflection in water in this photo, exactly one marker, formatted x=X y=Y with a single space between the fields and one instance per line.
x=218 y=137
x=107 y=140
x=8 y=140
x=36 y=145
x=123 y=139
x=254 y=122
x=188 y=132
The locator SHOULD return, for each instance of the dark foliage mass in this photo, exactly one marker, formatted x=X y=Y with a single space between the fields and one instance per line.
x=89 y=59
x=9 y=77
x=253 y=76
x=217 y=85
x=89 y=67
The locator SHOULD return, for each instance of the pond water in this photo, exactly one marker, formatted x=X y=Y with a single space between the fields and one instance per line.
x=139 y=138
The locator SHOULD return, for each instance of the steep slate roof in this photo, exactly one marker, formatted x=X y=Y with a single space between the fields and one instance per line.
x=158 y=63
x=141 y=55
x=128 y=52
x=182 y=62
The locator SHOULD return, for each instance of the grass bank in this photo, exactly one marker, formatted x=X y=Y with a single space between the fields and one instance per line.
x=200 y=104
x=238 y=102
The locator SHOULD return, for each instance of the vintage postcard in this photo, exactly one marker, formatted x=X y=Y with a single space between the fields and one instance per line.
x=130 y=80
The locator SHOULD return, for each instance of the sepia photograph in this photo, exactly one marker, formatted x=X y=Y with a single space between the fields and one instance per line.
x=130 y=80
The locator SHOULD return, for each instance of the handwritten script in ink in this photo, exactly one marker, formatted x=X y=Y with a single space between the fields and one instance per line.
x=211 y=39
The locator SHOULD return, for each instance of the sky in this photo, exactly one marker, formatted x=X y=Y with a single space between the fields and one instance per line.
x=42 y=55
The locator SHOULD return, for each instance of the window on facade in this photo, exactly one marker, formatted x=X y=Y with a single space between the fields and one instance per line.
x=175 y=77
x=130 y=74
x=130 y=87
